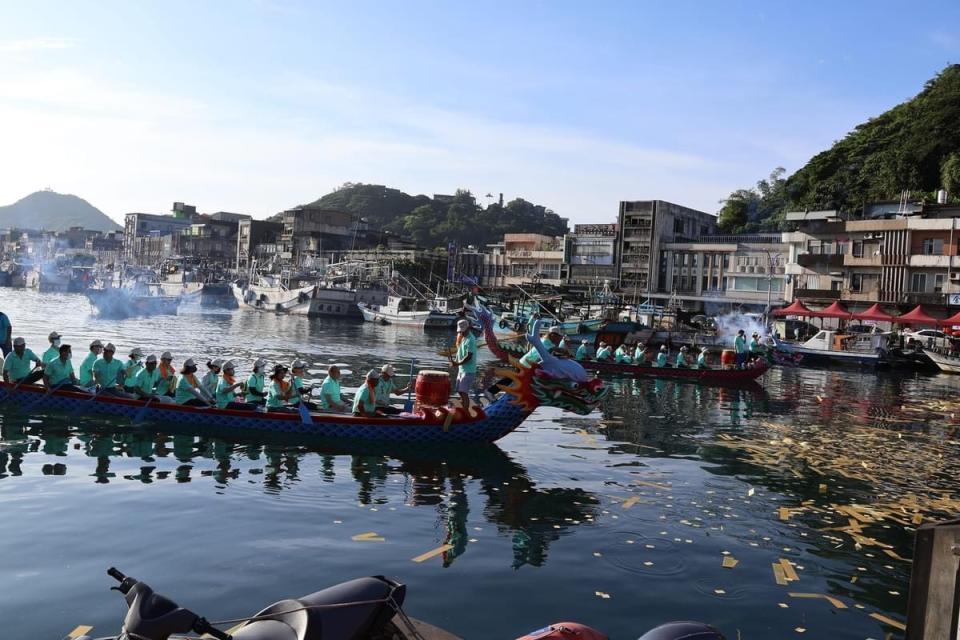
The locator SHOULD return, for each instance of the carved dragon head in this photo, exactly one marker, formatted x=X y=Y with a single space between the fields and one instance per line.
x=532 y=386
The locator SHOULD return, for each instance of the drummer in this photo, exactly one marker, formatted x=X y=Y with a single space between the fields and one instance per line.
x=387 y=384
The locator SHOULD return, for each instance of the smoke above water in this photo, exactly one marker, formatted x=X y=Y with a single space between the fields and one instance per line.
x=729 y=324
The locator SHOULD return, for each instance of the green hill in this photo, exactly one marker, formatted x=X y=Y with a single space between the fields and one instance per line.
x=435 y=222
x=52 y=211
x=915 y=146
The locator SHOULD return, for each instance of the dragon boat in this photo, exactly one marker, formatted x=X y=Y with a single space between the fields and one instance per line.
x=521 y=391
x=511 y=351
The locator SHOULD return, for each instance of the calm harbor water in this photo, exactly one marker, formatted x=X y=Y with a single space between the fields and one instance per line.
x=620 y=520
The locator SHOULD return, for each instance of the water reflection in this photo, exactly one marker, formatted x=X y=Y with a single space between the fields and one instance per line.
x=446 y=480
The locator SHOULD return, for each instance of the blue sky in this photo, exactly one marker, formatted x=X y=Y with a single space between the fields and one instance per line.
x=261 y=105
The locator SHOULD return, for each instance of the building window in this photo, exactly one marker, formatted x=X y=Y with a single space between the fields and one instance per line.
x=856 y=283
x=858 y=248
x=938 y=283
x=918 y=282
x=678 y=225
x=933 y=247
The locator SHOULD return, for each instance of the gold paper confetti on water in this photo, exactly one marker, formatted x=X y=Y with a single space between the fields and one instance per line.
x=629 y=502
x=644 y=483
x=81 y=630
x=822 y=488
x=893 y=554
x=432 y=553
x=778 y=574
x=729 y=562
x=836 y=602
x=370 y=536
x=788 y=571
x=784 y=513
x=889 y=621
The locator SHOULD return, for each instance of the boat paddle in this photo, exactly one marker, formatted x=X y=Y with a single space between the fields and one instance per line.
x=408 y=405
x=139 y=416
x=305 y=416
x=17 y=386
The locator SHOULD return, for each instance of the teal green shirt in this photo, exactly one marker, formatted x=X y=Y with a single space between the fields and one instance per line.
x=621 y=355
x=147 y=381
x=225 y=395
x=533 y=356
x=680 y=361
x=184 y=392
x=330 y=388
x=468 y=346
x=255 y=382
x=275 y=396
x=51 y=354
x=740 y=344
x=384 y=389
x=166 y=384
x=754 y=345
x=135 y=368
x=85 y=379
x=702 y=360
x=19 y=367
x=58 y=371
x=209 y=382
x=662 y=359
x=107 y=372
x=362 y=399
x=604 y=353
x=583 y=352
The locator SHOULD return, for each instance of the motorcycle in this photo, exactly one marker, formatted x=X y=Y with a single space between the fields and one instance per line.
x=363 y=609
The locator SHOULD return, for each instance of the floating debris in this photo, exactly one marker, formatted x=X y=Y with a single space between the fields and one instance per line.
x=434 y=552
x=836 y=602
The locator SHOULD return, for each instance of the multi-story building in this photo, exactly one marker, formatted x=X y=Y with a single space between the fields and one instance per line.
x=533 y=258
x=903 y=254
x=308 y=231
x=257 y=242
x=590 y=255
x=722 y=273
x=644 y=226
x=148 y=237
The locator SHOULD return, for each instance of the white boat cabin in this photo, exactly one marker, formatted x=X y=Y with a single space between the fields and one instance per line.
x=827 y=340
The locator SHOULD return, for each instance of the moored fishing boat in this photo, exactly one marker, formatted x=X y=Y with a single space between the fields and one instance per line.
x=406 y=311
x=944 y=361
x=119 y=302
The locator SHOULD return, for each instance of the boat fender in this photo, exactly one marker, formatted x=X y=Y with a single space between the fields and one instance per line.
x=683 y=631
x=565 y=631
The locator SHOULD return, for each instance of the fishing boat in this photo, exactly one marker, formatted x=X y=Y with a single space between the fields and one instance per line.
x=429 y=421
x=407 y=311
x=320 y=299
x=141 y=299
x=945 y=361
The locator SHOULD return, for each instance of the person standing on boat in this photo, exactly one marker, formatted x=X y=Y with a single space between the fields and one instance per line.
x=388 y=385
x=583 y=351
x=131 y=369
x=365 y=399
x=298 y=393
x=702 y=359
x=681 y=362
x=622 y=355
x=6 y=334
x=330 y=391
x=662 y=356
x=228 y=389
x=740 y=347
x=189 y=390
x=85 y=378
x=58 y=374
x=107 y=371
x=212 y=377
x=604 y=352
x=148 y=379
x=256 y=394
x=168 y=377
x=755 y=348
x=466 y=362
x=54 y=351
x=532 y=356
x=16 y=366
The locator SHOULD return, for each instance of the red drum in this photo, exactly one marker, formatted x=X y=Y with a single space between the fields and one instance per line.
x=728 y=358
x=433 y=388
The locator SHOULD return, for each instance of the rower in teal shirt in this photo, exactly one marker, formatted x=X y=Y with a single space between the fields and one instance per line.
x=255 y=384
x=148 y=379
x=59 y=372
x=54 y=351
x=330 y=391
x=702 y=359
x=365 y=399
x=85 y=378
x=532 y=356
x=131 y=369
x=621 y=355
x=16 y=367
x=604 y=352
x=661 y=357
x=107 y=370
x=583 y=351
x=681 y=361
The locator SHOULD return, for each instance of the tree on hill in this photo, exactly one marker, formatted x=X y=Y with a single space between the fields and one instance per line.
x=914 y=147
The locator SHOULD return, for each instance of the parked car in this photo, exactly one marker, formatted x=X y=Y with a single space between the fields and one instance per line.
x=929 y=338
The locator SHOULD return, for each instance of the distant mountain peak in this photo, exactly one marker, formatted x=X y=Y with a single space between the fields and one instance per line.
x=54 y=211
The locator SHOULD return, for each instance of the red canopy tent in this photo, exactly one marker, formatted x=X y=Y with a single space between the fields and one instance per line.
x=952 y=320
x=835 y=310
x=918 y=316
x=875 y=314
x=797 y=308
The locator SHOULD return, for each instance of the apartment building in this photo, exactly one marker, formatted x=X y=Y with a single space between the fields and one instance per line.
x=902 y=254
x=644 y=226
x=590 y=253
x=533 y=257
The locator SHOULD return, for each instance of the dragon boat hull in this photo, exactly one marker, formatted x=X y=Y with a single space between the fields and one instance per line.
x=494 y=422
x=711 y=376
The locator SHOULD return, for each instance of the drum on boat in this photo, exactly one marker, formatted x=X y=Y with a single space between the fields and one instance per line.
x=728 y=358
x=433 y=388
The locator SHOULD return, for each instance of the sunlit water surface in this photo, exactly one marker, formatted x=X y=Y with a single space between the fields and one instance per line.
x=620 y=520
